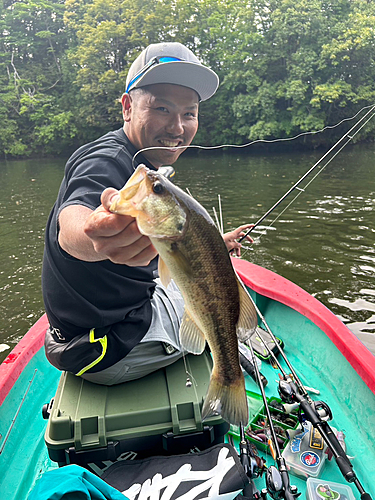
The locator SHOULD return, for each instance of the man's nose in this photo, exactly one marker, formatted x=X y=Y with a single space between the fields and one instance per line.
x=175 y=125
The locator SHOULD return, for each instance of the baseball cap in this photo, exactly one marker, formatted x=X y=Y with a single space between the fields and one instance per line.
x=172 y=63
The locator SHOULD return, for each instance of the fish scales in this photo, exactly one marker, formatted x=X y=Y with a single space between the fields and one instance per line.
x=194 y=254
x=212 y=289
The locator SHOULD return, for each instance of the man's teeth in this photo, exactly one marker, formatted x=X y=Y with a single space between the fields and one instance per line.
x=169 y=144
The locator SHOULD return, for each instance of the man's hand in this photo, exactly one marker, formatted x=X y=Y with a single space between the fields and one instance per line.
x=98 y=235
x=118 y=236
x=231 y=238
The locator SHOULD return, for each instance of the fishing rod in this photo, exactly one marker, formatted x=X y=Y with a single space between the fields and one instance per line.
x=247 y=364
x=291 y=390
x=252 y=465
x=314 y=413
x=275 y=362
x=340 y=144
x=277 y=479
x=286 y=376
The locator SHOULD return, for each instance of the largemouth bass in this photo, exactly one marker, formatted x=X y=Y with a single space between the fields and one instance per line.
x=193 y=253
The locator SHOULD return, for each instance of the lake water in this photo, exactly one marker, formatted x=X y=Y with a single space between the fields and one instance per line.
x=324 y=241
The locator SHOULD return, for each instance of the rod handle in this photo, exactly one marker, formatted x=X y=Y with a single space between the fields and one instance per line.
x=249 y=368
x=365 y=496
x=288 y=494
x=346 y=468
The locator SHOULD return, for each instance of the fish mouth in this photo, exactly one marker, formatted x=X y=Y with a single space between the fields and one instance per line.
x=124 y=203
x=132 y=186
x=143 y=197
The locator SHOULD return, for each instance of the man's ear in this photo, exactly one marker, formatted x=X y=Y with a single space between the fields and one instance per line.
x=126 y=102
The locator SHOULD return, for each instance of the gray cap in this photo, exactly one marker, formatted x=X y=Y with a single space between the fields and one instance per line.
x=172 y=63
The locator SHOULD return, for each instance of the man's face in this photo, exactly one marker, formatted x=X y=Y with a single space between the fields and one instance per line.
x=162 y=115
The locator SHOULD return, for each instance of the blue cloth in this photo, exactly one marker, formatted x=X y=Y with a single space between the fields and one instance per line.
x=73 y=483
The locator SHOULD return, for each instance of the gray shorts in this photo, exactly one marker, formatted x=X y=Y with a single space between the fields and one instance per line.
x=150 y=355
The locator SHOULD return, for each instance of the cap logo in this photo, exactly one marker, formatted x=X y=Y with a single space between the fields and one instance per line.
x=152 y=62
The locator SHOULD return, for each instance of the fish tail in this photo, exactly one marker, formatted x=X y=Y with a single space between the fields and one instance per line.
x=229 y=401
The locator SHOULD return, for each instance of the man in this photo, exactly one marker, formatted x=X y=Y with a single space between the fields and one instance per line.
x=111 y=320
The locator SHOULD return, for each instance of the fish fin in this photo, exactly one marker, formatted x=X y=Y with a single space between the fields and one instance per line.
x=164 y=274
x=191 y=337
x=248 y=319
x=229 y=401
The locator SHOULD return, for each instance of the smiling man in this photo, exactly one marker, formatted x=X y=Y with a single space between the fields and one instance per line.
x=164 y=115
x=110 y=318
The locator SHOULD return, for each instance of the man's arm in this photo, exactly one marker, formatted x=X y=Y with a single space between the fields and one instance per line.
x=98 y=235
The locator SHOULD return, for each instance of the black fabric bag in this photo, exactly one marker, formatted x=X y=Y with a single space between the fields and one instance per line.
x=215 y=473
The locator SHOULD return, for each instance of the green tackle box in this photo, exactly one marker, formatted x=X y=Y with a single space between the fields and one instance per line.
x=156 y=415
x=258 y=418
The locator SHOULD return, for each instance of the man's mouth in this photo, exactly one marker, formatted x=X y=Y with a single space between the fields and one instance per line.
x=169 y=143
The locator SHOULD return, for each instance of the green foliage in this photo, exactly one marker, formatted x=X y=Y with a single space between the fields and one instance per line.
x=285 y=66
x=31 y=79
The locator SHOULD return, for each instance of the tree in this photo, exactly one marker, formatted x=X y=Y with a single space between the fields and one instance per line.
x=308 y=68
x=348 y=63
x=285 y=66
x=32 y=48
x=110 y=35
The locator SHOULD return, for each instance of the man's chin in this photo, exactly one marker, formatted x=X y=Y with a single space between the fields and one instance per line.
x=165 y=157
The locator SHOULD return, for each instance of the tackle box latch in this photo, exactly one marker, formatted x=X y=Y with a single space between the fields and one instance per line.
x=89 y=432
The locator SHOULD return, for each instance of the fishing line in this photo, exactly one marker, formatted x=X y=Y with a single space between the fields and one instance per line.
x=257 y=141
x=366 y=118
x=348 y=136
x=190 y=380
x=302 y=190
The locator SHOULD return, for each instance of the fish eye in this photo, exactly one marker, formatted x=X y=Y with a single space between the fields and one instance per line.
x=157 y=188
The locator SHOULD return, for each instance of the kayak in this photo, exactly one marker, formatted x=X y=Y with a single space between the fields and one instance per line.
x=325 y=354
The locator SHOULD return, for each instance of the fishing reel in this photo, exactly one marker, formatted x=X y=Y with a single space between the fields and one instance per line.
x=257 y=465
x=275 y=487
x=253 y=464
x=322 y=409
x=289 y=393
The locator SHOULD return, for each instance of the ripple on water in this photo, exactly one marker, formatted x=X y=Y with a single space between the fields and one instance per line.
x=364 y=327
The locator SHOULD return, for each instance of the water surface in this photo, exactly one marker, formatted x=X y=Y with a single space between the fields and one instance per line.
x=324 y=241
